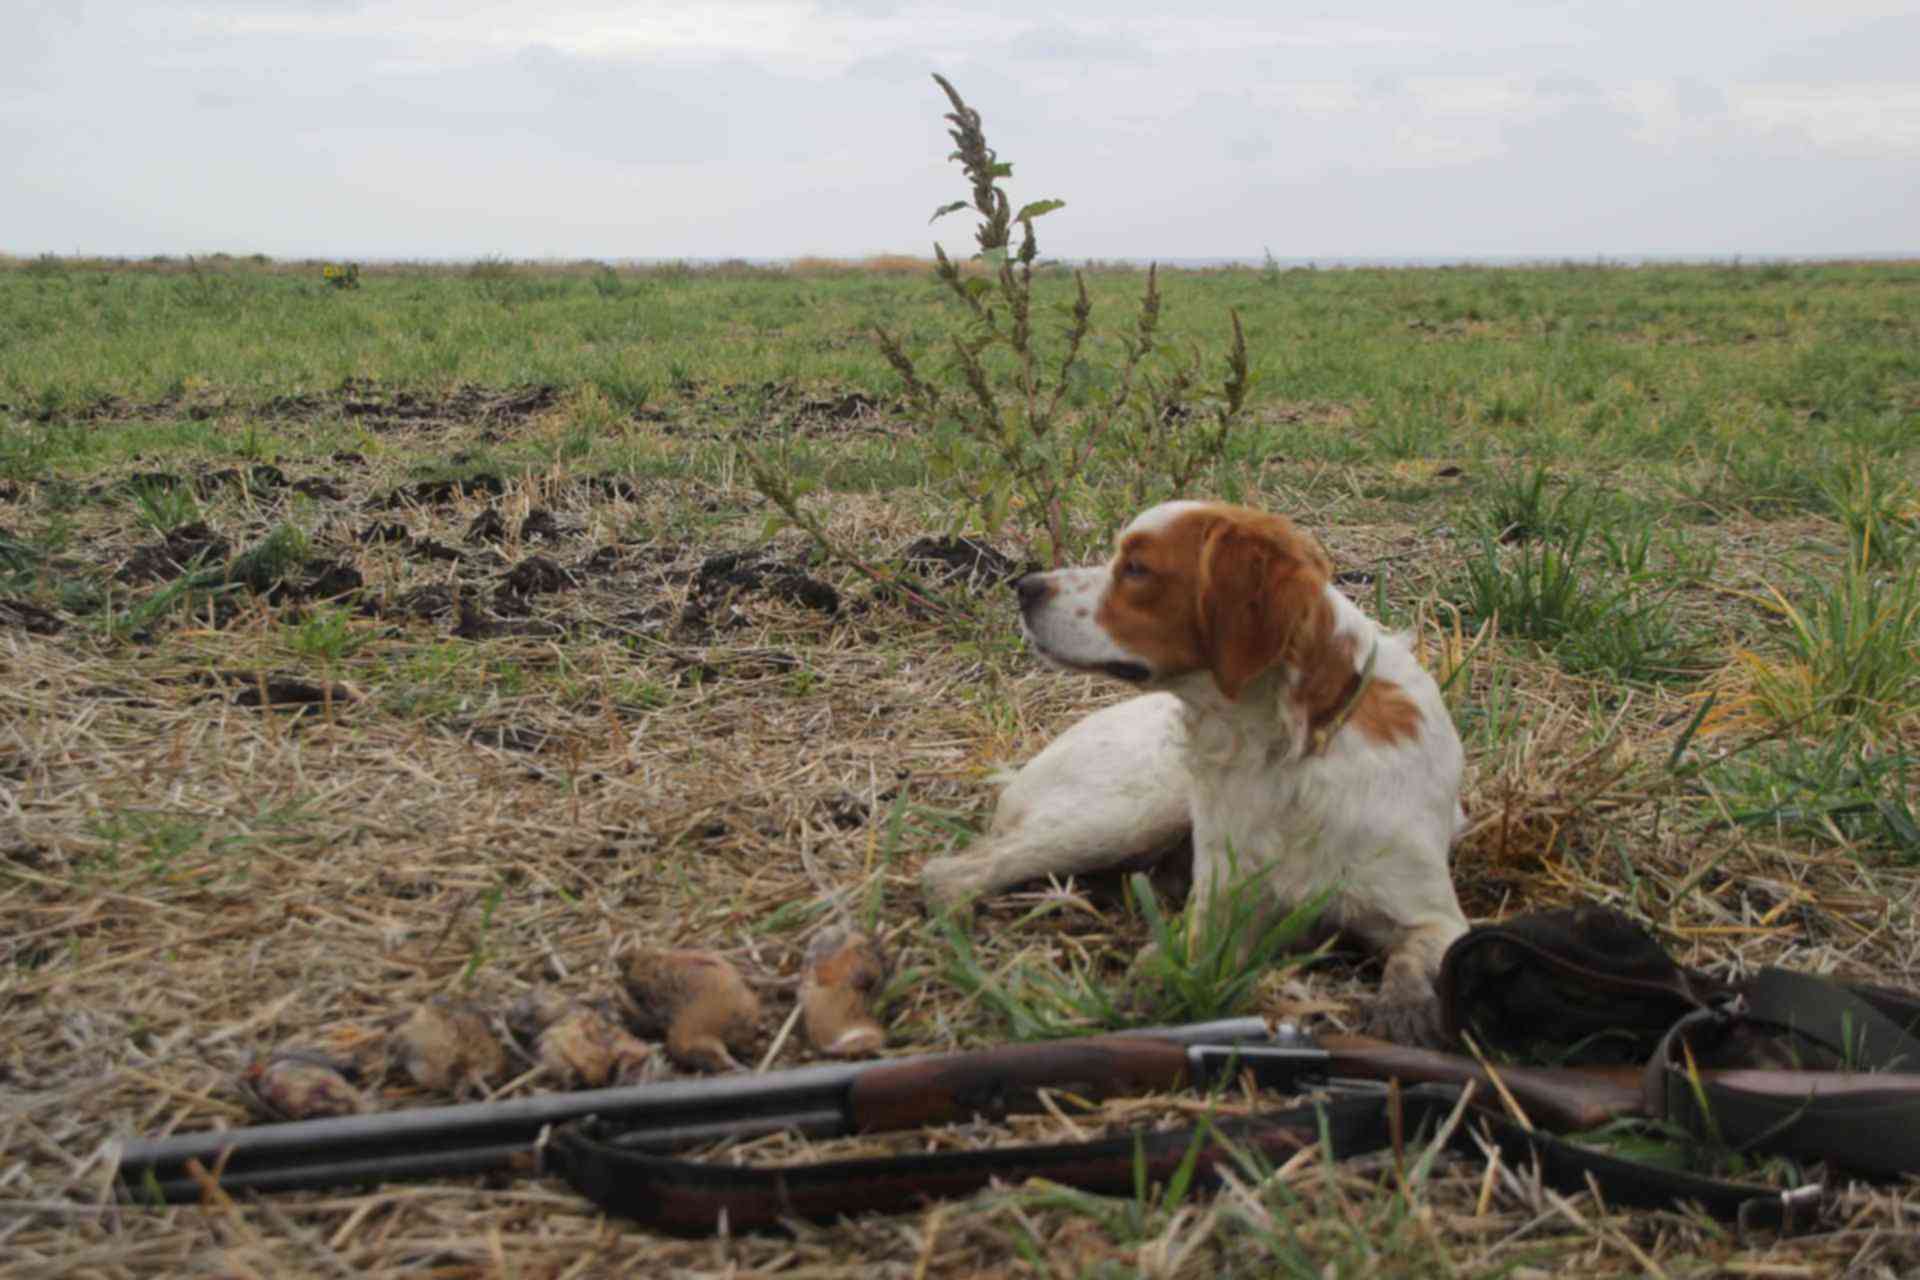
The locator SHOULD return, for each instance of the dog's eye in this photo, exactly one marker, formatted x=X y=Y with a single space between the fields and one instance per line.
x=1131 y=568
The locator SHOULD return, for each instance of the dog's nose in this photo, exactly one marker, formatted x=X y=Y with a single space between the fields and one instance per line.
x=1032 y=589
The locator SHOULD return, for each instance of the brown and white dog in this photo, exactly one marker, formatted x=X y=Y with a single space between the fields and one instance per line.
x=1288 y=732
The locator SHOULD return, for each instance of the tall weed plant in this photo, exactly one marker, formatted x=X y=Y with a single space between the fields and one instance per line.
x=1025 y=420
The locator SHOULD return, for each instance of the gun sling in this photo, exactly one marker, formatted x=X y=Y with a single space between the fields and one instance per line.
x=690 y=1197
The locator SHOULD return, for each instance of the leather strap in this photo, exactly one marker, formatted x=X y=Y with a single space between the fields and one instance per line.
x=1857 y=1023
x=687 y=1197
x=1859 y=1123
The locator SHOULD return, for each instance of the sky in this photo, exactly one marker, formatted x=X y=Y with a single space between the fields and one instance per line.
x=770 y=129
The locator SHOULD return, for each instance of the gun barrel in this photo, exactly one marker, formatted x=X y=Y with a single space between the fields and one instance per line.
x=486 y=1136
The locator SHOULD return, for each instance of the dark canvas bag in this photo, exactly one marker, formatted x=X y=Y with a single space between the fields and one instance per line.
x=1584 y=985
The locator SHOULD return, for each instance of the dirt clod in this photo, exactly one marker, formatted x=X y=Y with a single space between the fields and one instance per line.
x=29 y=617
x=182 y=548
x=536 y=575
x=540 y=524
x=486 y=527
x=291 y=691
x=959 y=560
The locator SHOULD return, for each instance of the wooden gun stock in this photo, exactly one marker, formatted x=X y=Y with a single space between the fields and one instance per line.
x=999 y=1081
x=1559 y=1099
x=1004 y=1080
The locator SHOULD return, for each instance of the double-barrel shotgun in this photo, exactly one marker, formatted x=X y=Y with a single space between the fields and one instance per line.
x=829 y=1101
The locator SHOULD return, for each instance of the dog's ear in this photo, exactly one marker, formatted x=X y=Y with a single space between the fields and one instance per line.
x=1261 y=596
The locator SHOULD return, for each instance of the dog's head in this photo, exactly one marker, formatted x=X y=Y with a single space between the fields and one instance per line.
x=1192 y=587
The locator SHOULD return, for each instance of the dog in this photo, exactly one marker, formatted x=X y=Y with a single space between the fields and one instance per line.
x=1286 y=733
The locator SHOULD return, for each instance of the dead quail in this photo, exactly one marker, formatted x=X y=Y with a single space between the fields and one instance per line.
x=359 y=1048
x=577 y=1045
x=301 y=1084
x=448 y=1047
x=698 y=1001
x=537 y=1010
x=843 y=971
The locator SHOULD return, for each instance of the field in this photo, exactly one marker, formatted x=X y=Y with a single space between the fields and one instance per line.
x=430 y=637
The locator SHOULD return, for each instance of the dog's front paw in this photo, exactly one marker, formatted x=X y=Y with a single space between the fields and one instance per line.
x=949 y=884
x=1412 y=1020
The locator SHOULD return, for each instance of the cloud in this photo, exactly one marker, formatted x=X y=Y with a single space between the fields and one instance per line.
x=770 y=127
x=861 y=8
x=1056 y=43
x=1884 y=49
x=1696 y=100
x=1868 y=120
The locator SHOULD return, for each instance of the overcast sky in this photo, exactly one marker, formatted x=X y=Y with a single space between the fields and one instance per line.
x=777 y=128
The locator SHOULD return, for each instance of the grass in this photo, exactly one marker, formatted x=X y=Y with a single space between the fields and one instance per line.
x=1844 y=792
x=1880 y=510
x=1582 y=582
x=1852 y=652
x=1192 y=969
x=1654 y=526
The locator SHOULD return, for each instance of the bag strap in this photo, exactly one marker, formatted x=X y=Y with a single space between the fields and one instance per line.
x=1861 y=1120
x=1849 y=1021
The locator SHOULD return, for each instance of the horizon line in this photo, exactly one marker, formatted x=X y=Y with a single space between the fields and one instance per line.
x=1291 y=262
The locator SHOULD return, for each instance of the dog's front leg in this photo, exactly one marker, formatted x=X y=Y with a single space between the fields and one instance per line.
x=1408 y=1010
x=1111 y=791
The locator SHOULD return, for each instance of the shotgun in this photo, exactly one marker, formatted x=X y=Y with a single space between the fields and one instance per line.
x=885 y=1094
x=825 y=1101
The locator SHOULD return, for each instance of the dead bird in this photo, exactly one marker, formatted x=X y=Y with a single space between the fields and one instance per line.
x=302 y=1084
x=577 y=1045
x=698 y=1001
x=447 y=1046
x=843 y=972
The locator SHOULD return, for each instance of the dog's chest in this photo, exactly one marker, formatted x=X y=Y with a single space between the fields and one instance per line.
x=1287 y=818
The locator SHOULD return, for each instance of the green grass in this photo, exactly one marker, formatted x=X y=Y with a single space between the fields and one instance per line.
x=1843 y=791
x=1878 y=506
x=1581 y=580
x=1193 y=968
x=1851 y=637
x=1654 y=364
